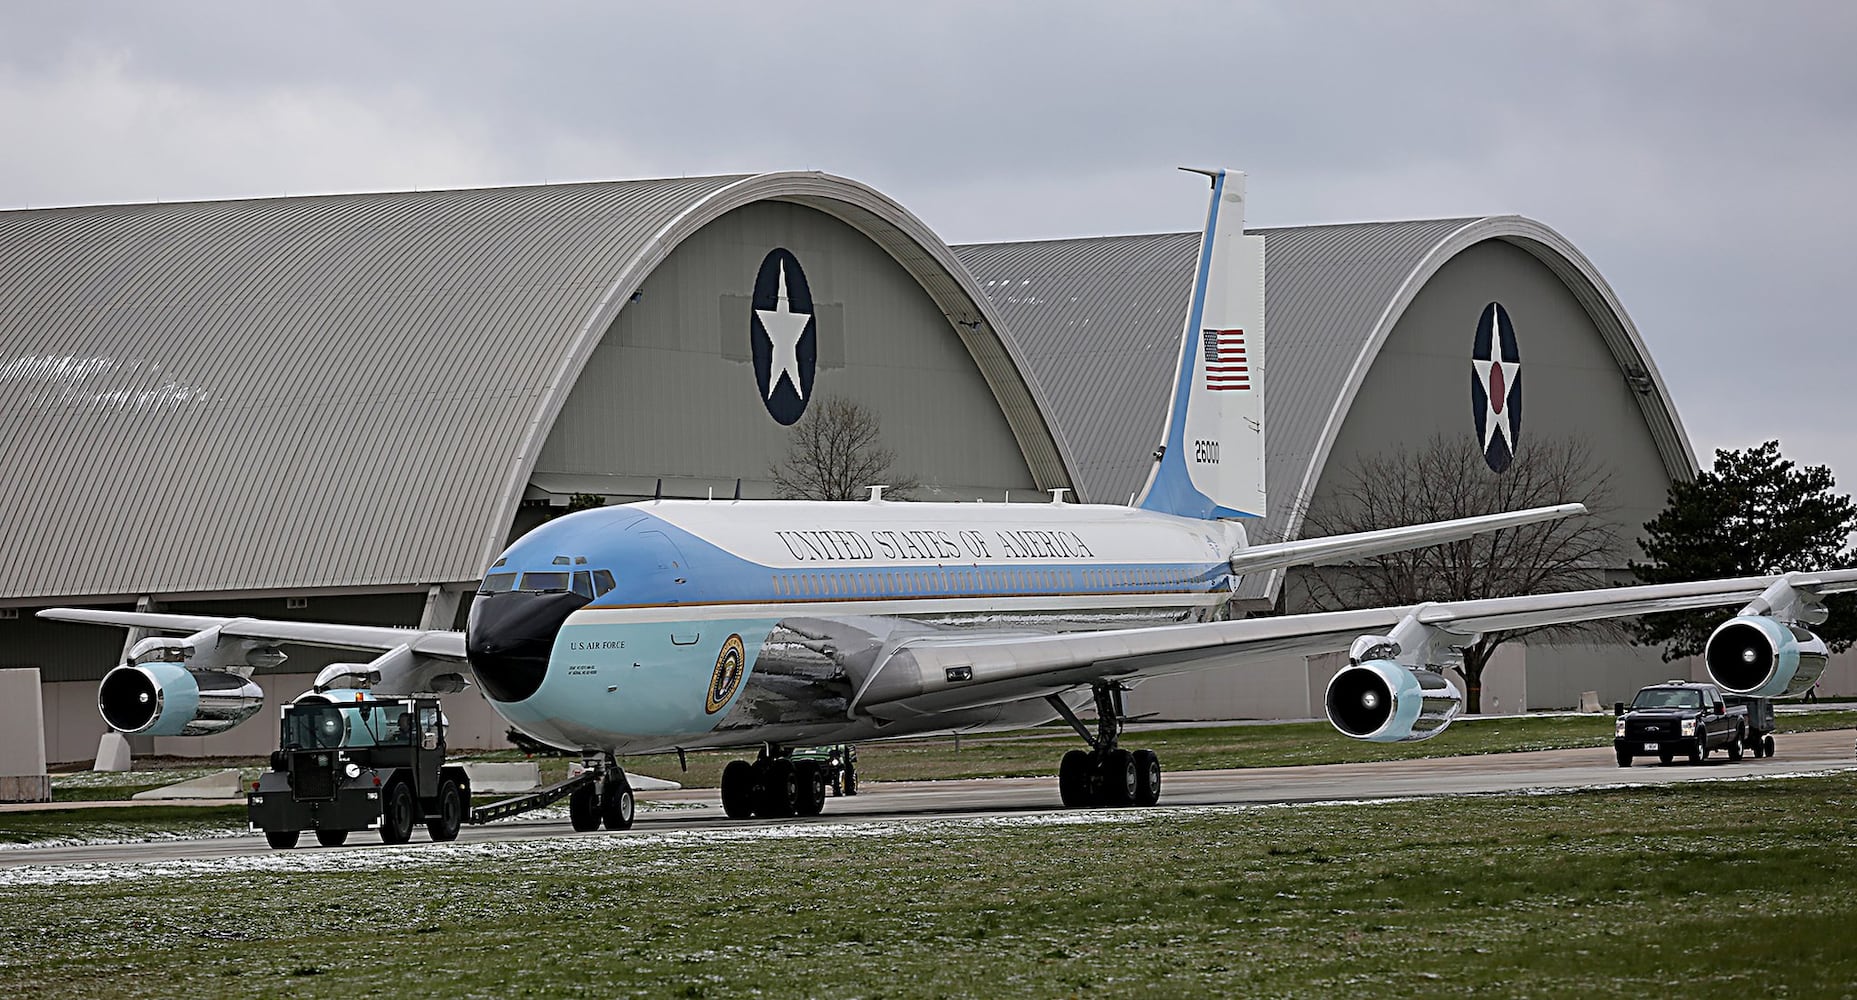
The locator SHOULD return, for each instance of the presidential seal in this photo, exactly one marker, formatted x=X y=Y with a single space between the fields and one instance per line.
x=731 y=665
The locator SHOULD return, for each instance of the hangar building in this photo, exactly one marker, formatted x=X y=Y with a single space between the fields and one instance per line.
x=341 y=408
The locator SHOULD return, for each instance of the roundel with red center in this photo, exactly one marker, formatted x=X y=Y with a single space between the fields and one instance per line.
x=1496 y=386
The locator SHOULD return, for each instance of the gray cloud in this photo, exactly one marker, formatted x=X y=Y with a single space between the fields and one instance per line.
x=1697 y=152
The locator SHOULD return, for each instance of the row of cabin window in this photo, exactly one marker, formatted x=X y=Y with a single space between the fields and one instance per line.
x=957 y=581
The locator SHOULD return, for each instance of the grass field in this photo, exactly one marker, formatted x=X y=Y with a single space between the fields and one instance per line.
x=1724 y=889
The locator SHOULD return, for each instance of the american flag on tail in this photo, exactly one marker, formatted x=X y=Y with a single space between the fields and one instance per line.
x=1226 y=364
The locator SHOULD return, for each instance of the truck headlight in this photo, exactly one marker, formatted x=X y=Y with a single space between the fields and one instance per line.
x=1618 y=728
x=353 y=770
x=1689 y=727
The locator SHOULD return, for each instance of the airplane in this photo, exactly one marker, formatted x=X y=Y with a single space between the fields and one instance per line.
x=694 y=624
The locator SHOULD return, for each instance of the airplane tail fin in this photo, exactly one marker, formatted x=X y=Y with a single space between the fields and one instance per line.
x=1211 y=464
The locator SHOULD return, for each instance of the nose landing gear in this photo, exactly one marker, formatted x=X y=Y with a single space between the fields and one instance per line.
x=1106 y=774
x=607 y=800
x=774 y=786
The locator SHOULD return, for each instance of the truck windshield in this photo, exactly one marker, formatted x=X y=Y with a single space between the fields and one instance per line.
x=348 y=724
x=314 y=727
x=1668 y=698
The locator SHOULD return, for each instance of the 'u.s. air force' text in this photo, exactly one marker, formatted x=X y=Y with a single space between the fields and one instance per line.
x=933 y=544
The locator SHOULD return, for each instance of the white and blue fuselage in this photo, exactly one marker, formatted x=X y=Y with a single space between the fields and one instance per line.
x=693 y=624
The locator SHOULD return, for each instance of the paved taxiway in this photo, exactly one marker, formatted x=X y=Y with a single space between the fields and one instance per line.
x=700 y=808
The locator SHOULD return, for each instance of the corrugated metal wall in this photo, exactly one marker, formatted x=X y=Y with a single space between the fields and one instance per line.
x=289 y=393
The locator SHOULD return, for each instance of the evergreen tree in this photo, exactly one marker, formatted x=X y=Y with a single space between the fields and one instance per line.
x=1754 y=514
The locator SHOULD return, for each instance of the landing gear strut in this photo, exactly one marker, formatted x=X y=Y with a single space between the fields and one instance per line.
x=773 y=786
x=1106 y=774
x=608 y=799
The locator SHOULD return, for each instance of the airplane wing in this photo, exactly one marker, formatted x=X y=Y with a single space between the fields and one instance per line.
x=437 y=644
x=1308 y=551
x=933 y=674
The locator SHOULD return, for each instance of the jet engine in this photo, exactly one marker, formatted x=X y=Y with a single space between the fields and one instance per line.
x=1761 y=657
x=168 y=689
x=1389 y=702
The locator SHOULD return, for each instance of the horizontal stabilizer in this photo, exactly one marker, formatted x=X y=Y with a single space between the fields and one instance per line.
x=1308 y=551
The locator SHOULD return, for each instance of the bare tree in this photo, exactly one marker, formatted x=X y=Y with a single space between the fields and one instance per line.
x=835 y=452
x=1447 y=478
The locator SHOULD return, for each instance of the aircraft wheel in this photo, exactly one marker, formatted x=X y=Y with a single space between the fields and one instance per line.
x=1147 y=777
x=583 y=809
x=779 y=791
x=738 y=789
x=329 y=838
x=812 y=789
x=617 y=806
x=1118 y=779
x=850 y=778
x=444 y=827
x=396 y=821
x=1073 y=779
x=283 y=840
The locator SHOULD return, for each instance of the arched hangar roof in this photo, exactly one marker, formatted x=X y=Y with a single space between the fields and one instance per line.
x=349 y=390
x=1080 y=308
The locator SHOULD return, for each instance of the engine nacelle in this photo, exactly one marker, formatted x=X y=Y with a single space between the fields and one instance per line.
x=164 y=698
x=1388 y=702
x=1761 y=657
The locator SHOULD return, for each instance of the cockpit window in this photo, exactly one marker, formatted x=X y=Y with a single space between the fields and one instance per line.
x=583 y=584
x=496 y=583
x=602 y=581
x=546 y=583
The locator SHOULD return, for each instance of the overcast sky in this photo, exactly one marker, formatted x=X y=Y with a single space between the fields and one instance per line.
x=1702 y=155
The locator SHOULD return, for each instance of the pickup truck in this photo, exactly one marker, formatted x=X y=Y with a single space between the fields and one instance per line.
x=1682 y=717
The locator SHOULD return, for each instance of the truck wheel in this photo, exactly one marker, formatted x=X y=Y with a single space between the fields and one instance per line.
x=738 y=789
x=1699 y=752
x=396 y=820
x=1624 y=759
x=331 y=838
x=1665 y=756
x=1734 y=749
x=850 y=778
x=283 y=840
x=444 y=826
x=583 y=809
x=1769 y=744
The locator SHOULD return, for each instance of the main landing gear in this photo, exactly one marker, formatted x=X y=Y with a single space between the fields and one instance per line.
x=607 y=799
x=1106 y=774
x=774 y=786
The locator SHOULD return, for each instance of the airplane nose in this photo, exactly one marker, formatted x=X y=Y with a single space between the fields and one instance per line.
x=508 y=638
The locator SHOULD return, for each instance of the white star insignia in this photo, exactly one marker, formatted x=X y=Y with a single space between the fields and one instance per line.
x=784 y=329
x=1495 y=420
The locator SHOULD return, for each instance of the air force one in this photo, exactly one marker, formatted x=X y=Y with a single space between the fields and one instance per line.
x=674 y=624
